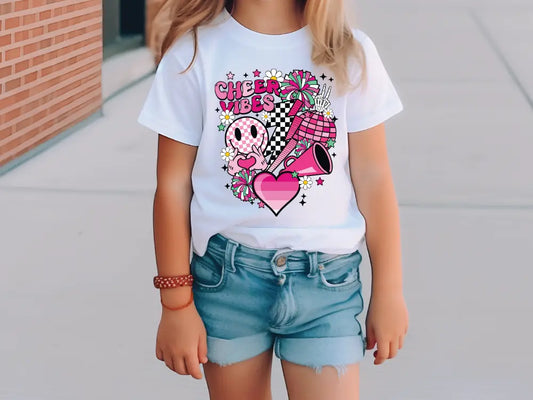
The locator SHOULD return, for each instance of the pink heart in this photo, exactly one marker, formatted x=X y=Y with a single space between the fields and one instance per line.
x=246 y=162
x=276 y=193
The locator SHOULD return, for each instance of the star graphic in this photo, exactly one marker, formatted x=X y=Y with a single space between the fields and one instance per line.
x=257 y=73
x=330 y=142
x=303 y=196
x=221 y=127
x=227 y=185
x=319 y=181
x=245 y=75
x=302 y=202
x=331 y=79
x=334 y=155
x=323 y=76
x=295 y=174
x=230 y=75
x=217 y=109
x=224 y=167
x=334 y=118
x=261 y=204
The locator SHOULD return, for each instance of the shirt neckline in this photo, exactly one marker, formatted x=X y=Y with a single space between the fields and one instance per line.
x=289 y=39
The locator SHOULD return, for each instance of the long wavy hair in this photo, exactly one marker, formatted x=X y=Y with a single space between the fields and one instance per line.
x=333 y=41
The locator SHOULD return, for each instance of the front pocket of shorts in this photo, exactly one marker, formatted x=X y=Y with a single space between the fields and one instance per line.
x=340 y=273
x=208 y=273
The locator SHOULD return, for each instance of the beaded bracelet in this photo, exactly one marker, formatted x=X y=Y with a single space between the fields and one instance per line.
x=164 y=282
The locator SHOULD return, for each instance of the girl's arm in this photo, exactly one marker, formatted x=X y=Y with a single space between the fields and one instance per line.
x=181 y=337
x=171 y=219
x=387 y=318
x=376 y=199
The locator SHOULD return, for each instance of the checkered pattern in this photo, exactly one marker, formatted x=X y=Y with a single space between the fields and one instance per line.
x=316 y=127
x=282 y=122
x=244 y=145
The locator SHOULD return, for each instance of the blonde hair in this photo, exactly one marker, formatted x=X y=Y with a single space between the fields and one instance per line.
x=333 y=40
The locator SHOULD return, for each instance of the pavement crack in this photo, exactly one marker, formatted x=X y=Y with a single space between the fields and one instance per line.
x=485 y=32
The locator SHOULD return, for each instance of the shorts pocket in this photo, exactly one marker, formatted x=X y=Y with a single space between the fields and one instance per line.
x=340 y=273
x=209 y=273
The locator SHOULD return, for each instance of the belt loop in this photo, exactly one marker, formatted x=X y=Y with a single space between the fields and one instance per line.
x=229 y=256
x=313 y=262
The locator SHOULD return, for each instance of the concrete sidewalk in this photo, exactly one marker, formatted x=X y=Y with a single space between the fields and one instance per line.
x=77 y=220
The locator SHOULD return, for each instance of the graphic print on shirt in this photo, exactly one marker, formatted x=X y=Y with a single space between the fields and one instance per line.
x=274 y=168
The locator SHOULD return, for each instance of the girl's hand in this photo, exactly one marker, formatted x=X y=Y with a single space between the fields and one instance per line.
x=386 y=325
x=181 y=341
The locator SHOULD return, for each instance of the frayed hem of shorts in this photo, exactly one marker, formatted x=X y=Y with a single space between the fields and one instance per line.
x=341 y=369
x=223 y=364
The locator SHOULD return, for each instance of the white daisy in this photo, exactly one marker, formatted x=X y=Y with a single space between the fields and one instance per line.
x=265 y=116
x=227 y=153
x=328 y=113
x=274 y=74
x=227 y=117
x=306 y=182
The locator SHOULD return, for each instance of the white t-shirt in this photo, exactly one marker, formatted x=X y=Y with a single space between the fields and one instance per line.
x=272 y=168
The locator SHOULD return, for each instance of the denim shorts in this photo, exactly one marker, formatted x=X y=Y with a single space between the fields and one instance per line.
x=303 y=303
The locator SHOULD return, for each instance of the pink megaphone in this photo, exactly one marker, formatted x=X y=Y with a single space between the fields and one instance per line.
x=314 y=161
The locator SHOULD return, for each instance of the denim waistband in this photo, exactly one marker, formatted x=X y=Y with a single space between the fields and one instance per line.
x=276 y=260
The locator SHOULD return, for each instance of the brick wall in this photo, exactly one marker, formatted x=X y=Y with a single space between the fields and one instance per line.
x=50 y=69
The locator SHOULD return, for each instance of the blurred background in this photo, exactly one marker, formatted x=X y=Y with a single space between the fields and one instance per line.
x=78 y=310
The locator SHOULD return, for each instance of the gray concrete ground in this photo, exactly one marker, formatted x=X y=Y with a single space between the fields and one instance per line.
x=79 y=314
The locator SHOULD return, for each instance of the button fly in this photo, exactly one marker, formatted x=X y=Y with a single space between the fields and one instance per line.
x=281 y=261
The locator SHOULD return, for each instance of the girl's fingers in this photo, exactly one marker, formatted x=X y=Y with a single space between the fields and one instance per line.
x=393 y=348
x=370 y=338
x=169 y=361
x=202 y=349
x=382 y=351
x=193 y=366
x=159 y=354
x=179 y=363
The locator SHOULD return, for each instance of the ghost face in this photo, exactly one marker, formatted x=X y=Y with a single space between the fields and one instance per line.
x=245 y=132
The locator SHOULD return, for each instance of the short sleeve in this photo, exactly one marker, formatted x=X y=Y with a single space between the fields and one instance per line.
x=370 y=105
x=173 y=106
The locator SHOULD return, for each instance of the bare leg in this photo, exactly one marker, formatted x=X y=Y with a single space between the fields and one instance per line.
x=304 y=383
x=245 y=380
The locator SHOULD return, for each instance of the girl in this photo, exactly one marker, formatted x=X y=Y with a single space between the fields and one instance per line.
x=270 y=119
